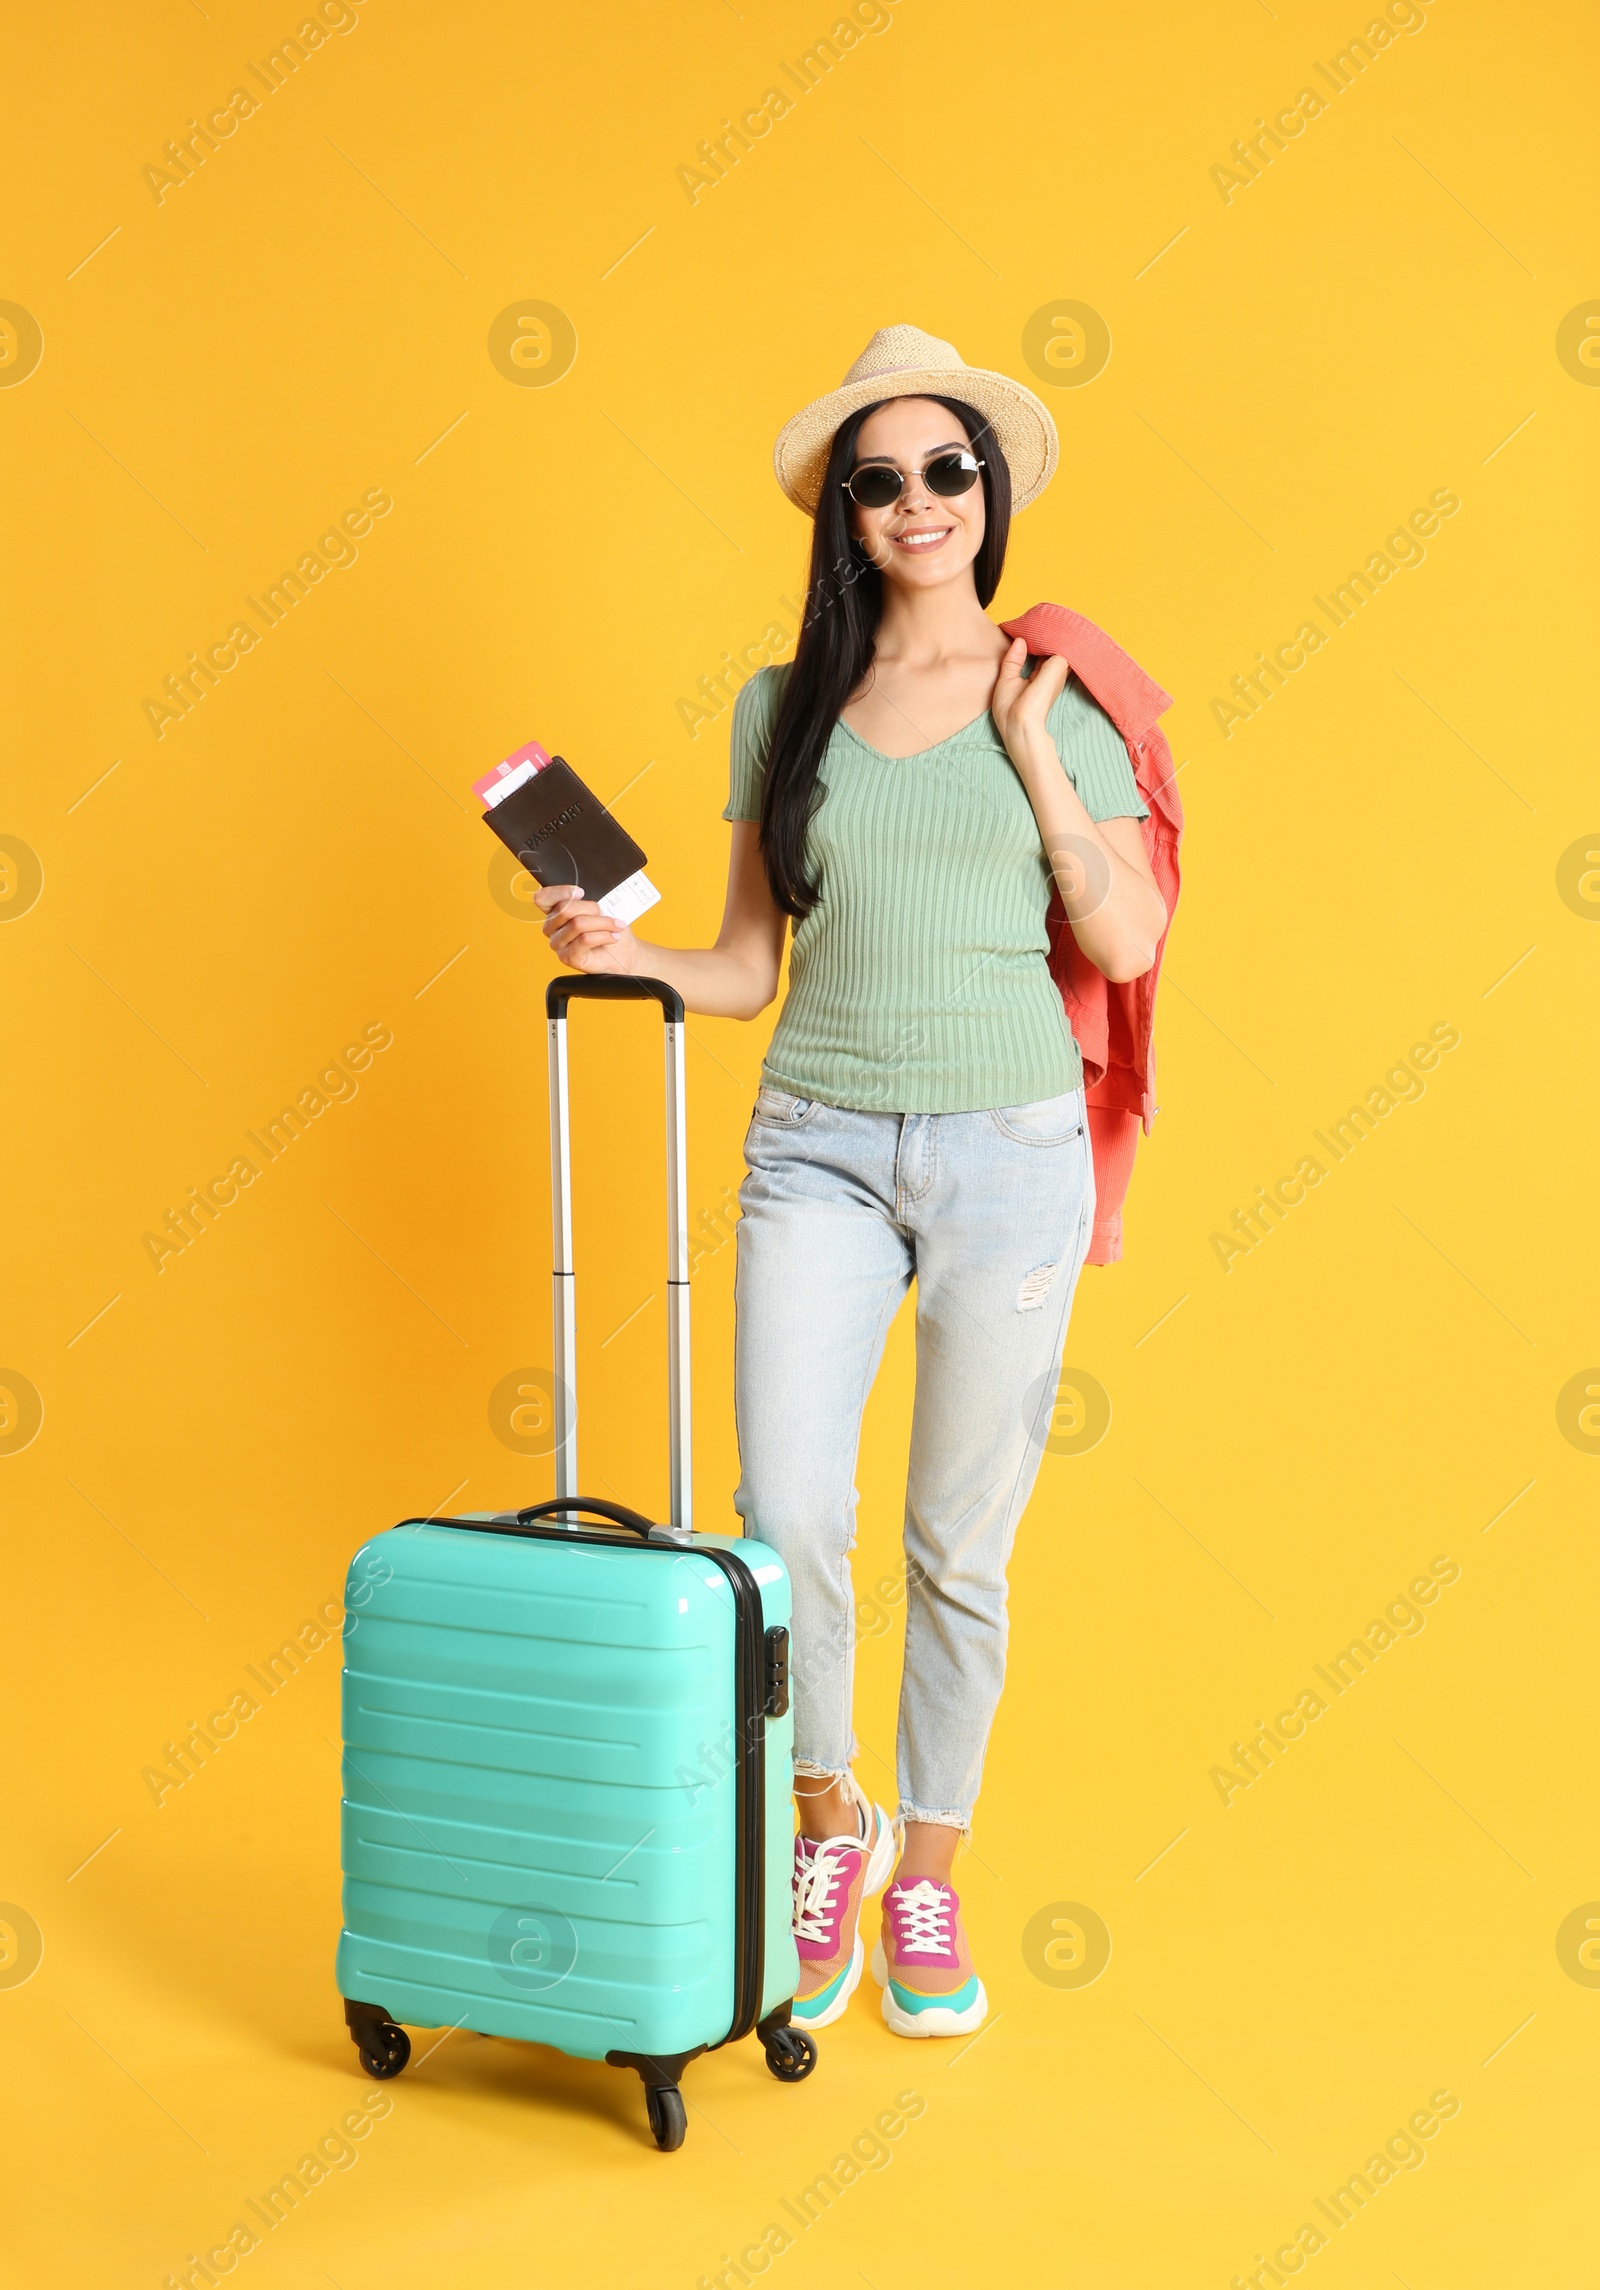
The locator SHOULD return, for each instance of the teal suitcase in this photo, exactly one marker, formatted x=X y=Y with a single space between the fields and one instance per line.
x=568 y=1753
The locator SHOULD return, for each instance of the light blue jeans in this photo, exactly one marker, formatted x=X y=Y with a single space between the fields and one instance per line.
x=991 y=1214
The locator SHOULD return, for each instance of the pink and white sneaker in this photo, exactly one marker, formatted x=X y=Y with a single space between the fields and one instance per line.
x=832 y=1877
x=923 y=1965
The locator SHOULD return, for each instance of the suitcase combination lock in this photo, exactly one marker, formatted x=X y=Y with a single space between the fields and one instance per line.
x=776 y=1701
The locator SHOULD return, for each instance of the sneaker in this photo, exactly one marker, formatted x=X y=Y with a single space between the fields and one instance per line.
x=832 y=1877
x=922 y=1964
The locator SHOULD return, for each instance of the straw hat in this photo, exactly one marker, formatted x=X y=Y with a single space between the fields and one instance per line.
x=903 y=362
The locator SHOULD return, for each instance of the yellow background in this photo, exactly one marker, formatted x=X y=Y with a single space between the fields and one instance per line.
x=1293 y=371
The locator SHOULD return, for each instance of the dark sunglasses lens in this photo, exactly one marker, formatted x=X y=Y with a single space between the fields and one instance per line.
x=875 y=486
x=950 y=474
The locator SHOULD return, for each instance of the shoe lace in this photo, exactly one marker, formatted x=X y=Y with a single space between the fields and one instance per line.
x=813 y=1894
x=922 y=1917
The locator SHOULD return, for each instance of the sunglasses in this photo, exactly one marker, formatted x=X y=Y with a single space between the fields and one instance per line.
x=877 y=484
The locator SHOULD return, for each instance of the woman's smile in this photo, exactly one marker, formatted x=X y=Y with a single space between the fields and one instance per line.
x=922 y=537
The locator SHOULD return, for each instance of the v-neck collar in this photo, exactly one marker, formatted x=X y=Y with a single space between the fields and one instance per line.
x=917 y=753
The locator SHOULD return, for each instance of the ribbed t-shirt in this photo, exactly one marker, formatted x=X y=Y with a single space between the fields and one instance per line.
x=918 y=983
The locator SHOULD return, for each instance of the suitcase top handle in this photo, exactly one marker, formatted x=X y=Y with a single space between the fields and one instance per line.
x=564 y=1527
x=618 y=1513
x=561 y=991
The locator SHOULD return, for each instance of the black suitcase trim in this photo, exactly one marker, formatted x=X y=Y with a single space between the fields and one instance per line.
x=750 y=1780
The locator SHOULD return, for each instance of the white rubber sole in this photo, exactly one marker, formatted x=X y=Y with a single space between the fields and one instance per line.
x=836 y=2009
x=937 y=2020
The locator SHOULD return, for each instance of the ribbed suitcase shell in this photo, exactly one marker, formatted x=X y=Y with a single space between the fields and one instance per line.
x=539 y=1791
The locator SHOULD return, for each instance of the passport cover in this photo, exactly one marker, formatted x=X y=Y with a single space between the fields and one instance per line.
x=562 y=833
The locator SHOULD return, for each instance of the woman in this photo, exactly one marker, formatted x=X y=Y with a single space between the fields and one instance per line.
x=902 y=795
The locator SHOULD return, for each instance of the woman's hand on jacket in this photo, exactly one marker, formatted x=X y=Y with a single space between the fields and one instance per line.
x=1021 y=704
x=1101 y=867
x=584 y=938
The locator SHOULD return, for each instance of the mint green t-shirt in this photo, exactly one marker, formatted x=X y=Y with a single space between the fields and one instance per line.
x=919 y=983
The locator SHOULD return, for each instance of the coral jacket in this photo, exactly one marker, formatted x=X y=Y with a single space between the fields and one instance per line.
x=1113 y=1023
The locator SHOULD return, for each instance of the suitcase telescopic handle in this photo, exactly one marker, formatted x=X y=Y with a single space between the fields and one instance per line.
x=559 y=992
x=577 y=988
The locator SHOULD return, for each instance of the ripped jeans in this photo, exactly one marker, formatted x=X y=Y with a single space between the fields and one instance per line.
x=991 y=1214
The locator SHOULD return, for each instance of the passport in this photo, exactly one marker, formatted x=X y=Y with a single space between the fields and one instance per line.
x=561 y=832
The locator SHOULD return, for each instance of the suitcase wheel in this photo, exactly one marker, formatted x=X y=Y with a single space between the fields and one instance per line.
x=791 y=2054
x=384 y=2048
x=393 y=2057
x=668 y=2122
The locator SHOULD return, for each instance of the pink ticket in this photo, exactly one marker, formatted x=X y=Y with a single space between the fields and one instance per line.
x=506 y=777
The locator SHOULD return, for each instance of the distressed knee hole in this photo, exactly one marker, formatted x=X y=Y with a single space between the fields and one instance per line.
x=1034 y=1290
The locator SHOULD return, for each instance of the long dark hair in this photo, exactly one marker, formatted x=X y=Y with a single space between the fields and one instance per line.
x=838 y=636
